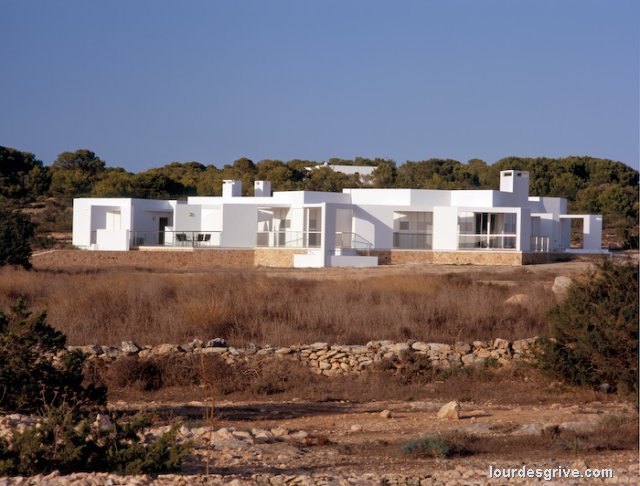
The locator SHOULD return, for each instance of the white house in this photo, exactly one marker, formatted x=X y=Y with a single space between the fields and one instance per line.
x=351 y=228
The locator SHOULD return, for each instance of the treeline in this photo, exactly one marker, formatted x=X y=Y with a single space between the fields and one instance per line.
x=592 y=185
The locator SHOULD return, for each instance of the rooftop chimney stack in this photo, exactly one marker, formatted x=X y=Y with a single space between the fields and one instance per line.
x=231 y=188
x=515 y=182
x=262 y=189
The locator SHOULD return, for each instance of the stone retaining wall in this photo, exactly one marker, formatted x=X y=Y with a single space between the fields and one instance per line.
x=194 y=259
x=511 y=258
x=170 y=260
x=275 y=257
x=329 y=360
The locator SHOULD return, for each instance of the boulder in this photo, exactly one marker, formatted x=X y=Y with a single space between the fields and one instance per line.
x=450 y=411
x=501 y=344
x=103 y=423
x=129 y=347
x=561 y=285
x=217 y=343
x=163 y=349
x=517 y=299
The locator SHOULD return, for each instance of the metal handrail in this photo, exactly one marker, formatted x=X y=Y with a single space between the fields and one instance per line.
x=540 y=243
x=288 y=239
x=345 y=239
x=413 y=241
x=175 y=238
x=487 y=241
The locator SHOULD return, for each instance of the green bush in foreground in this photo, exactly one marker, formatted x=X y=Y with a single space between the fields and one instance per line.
x=440 y=446
x=16 y=232
x=593 y=333
x=38 y=376
x=30 y=378
x=68 y=442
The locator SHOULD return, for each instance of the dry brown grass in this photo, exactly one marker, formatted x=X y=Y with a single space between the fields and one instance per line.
x=242 y=306
x=179 y=377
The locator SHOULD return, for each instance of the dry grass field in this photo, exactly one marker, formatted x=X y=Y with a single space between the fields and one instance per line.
x=282 y=307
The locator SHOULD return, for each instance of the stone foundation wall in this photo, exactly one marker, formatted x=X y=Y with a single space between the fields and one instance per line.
x=194 y=259
x=426 y=257
x=329 y=360
x=477 y=257
x=171 y=260
x=275 y=257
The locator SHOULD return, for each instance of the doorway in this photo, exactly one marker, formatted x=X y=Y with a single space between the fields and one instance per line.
x=163 y=222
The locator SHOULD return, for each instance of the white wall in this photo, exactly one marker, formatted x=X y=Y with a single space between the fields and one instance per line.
x=188 y=217
x=445 y=228
x=483 y=199
x=374 y=224
x=112 y=239
x=592 y=239
x=145 y=214
x=400 y=197
x=523 y=225
x=90 y=215
x=211 y=218
x=239 y=225
x=81 y=234
x=427 y=199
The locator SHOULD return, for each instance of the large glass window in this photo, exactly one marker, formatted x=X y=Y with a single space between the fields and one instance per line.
x=484 y=230
x=413 y=230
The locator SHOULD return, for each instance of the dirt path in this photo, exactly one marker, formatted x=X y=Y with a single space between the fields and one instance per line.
x=341 y=438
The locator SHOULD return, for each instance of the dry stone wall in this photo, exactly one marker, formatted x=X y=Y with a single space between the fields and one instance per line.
x=330 y=360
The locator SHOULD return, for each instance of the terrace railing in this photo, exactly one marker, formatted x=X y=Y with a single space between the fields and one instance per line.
x=540 y=243
x=413 y=241
x=352 y=240
x=200 y=239
x=288 y=239
x=487 y=242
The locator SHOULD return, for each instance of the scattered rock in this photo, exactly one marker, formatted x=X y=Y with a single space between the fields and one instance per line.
x=217 y=343
x=385 y=414
x=129 y=347
x=561 y=285
x=517 y=299
x=450 y=411
x=103 y=423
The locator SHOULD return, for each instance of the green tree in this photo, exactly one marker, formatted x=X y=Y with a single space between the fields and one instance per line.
x=326 y=180
x=21 y=175
x=16 y=234
x=114 y=183
x=75 y=173
x=83 y=160
x=385 y=173
x=155 y=185
x=593 y=333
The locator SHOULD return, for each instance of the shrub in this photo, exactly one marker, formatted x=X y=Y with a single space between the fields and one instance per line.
x=35 y=370
x=16 y=232
x=406 y=368
x=593 y=333
x=67 y=442
x=439 y=445
x=38 y=375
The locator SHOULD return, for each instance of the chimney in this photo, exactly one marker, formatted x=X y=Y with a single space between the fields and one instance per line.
x=515 y=182
x=262 y=189
x=231 y=188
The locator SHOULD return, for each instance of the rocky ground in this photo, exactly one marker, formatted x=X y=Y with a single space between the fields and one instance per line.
x=300 y=442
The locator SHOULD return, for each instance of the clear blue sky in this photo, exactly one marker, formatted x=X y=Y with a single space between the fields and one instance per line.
x=144 y=83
